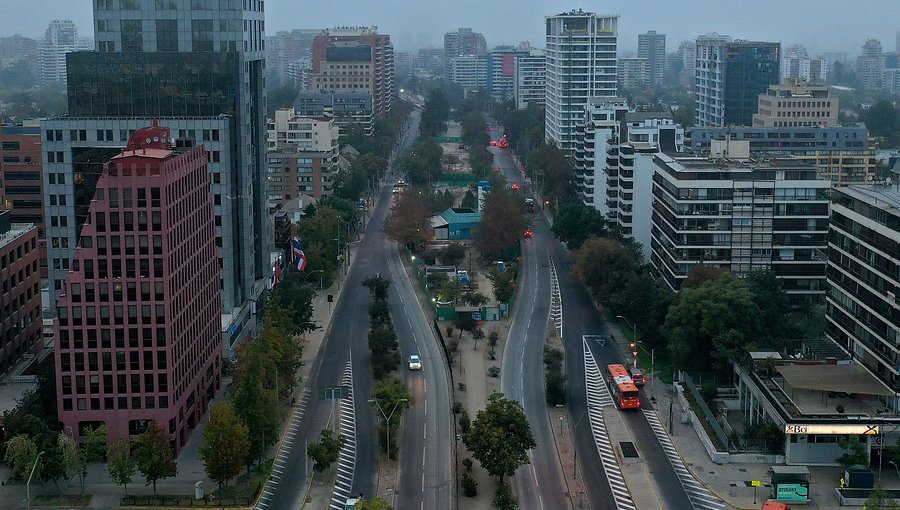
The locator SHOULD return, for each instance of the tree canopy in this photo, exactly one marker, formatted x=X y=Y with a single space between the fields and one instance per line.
x=574 y=223
x=604 y=265
x=226 y=444
x=500 y=436
x=409 y=222
x=153 y=455
x=502 y=222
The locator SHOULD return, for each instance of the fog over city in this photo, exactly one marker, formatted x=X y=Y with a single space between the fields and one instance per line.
x=821 y=25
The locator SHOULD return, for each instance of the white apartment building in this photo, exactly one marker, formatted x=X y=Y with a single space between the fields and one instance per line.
x=596 y=148
x=302 y=156
x=312 y=133
x=652 y=46
x=581 y=64
x=633 y=72
x=531 y=78
x=60 y=38
x=796 y=64
x=468 y=71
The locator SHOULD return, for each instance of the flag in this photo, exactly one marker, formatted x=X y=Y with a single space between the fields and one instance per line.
x=297 y=256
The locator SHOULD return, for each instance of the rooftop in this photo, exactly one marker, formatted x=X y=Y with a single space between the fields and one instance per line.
x=880 y=195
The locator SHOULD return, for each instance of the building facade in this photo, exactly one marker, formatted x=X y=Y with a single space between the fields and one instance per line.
x=742 y=215
x=730 y=76
x=20 y=291
x=797 y=65
x=581 y=64
x=531 y=78
x=652 y=46
x=347 y=68
x=870 y=65
x=287 y=47
x=217 y=78
x=382 y=60
x=464 y=41
x=501 y=73
x=596 y=148
x=138 y=327
x=842 y=155
x=863 y=314
x=797 y=104
x=20 y=179
x=348 y=109
x=632 y=72
x=302 y=156
x=468 y=71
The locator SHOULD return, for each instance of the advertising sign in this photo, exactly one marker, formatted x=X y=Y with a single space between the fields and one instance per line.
x=792 y=491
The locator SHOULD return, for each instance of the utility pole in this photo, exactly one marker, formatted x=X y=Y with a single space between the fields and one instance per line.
x=28 y=483
x=387 y=419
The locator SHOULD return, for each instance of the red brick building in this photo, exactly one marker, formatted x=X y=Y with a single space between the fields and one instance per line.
x=20 y=291
x=138 y=327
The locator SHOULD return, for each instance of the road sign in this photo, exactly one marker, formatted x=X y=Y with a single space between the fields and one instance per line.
x=334 y=392
x=755 y=483
x=476 y=316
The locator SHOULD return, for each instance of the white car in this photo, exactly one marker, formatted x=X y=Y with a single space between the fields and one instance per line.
x=415 y=363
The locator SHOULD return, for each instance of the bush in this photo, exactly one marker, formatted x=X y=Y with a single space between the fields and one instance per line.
x=556 y=388
x=449 y=331
x=457 y=407
x=464 y=422
x=467 y=463
x=709 y=391
x=470 y=486
x=504 y=499
x=493 y=338
x=494 y=371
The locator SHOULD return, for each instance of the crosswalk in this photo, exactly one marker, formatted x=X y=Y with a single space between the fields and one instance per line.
x=598 y=397
x=556 y=312
x=701 y=498
x=347 y=458
x=285 y=450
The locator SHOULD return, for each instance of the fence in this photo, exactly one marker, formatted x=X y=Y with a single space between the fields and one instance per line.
x=707 y=412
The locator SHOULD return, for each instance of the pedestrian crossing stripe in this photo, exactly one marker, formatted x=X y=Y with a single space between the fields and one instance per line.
x=347 y=457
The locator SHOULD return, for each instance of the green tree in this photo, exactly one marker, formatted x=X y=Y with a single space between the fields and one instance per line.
x=21 y=452
x=453 y=254
x=504 y=499
x=503 y=285
x=500 y=436
x=326 y=451
x=77 y=458
x=121 y=465
x=548 y=165
x=713 y=323
x=153 y=455
x=684 y=115
x=226 y=445
x=391 y=396
x=257 y=406
x=854 y=452
x=701 y=273
x=604 y=266
x=880 y=499
x=374 y=503
x=882 y=119
x=575 y=223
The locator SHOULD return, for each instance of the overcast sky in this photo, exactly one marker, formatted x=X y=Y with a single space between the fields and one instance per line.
x=822 y=25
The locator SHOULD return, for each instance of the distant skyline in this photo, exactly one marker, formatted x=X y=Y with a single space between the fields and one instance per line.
x=820 y=25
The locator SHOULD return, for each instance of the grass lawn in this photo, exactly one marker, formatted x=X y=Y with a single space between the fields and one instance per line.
x=246 y=484
x=63 y=500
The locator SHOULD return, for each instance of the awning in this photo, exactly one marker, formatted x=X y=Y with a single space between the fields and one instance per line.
x=850 y=378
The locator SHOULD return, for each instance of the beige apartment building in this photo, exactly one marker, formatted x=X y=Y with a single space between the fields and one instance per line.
x=797 y=104
x=302 y=156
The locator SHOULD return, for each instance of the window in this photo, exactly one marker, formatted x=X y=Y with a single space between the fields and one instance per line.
x=166 y=34
x=132 y=34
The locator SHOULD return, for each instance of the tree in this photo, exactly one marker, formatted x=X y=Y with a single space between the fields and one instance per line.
x=574 y=223
x=644 y=300
x=409 y=222
x=713 y=323
x=325 y=452
x=604 y=265
x=504 y=499
x=453 y=254
x=500 y=436
x=854 y=452
x=502 y=222
x=882 y=119
x=392 y=396
x=470 y=485
x=226 y=444
x=701 y=273
x=75 y=458
x=375 y=503
x=880 y=499
x=503 y=285
x=257 y=407
x=549 y=165
x=21 y=452
x=121 y=464
x=153 y=455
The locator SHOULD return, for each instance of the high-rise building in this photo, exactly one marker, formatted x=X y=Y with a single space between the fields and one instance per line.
x=501 y=72
x=302 y=156
x=20 y=293
x=531 y=78
x=207 y=86
x=891 y=80
x=429 y=60
x=797 y=65
x=332 y=47
x=863 y=257
x=632 y=72
x=652 y=46
x=870 y=65
x=60 y=38
x=345 y=68
x=464 y=42
x=138 y=331
x=348 y=109
x=730 y=76
x=842 y=155
x=581 y=64
x=286 y=47
x=742 y=214
x=468 y=71
x=797 y=104
x=20 y=179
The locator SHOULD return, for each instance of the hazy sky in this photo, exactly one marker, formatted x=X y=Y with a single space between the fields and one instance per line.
x=822 y=25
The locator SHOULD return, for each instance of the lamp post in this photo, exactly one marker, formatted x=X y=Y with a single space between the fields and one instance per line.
x=387 y=419
x=337 y=251
x=28 y=483
x=637 y=344
x=574 y=433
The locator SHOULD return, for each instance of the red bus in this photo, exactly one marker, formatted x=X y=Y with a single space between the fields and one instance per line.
x=622 y=387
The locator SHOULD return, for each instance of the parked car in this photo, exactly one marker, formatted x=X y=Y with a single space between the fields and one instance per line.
x=415 y=363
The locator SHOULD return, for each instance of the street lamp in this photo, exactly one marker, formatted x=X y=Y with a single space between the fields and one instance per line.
x=28 y=483
x=574 y=433
x=387 y=419
x=306 y=275
x=637 y=344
